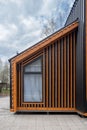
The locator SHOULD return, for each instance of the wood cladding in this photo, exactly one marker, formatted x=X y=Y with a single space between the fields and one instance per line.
x=58 y=76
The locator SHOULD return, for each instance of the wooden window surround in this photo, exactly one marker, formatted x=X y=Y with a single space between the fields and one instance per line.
x=22 y=79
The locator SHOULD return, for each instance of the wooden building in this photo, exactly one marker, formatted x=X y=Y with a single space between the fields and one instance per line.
x=52 y=74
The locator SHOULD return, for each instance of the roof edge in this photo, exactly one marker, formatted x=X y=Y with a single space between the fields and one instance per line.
x=71 y=11
x=47 y=38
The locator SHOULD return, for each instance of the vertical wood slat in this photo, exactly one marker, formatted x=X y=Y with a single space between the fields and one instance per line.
x=40 y=105
x=64 y=72
x=71 y=70
x=28 y=105
x=34 y=105
x=52 y=75
x=74 y=79
x=61 y=85
x=55 y=72
x=15 y=87
x=17 y=80
x=58 y=66
x=68 y=99
x=12 y=79
x=50 y=96
x=19 y=84
x=46 y=77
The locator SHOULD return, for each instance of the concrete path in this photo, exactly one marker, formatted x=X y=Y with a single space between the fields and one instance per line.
x=10 y=121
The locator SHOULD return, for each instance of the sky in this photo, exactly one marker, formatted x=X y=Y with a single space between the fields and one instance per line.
x=22 y=21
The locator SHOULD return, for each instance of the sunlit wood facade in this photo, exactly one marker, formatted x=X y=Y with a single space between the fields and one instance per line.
x=58 y=72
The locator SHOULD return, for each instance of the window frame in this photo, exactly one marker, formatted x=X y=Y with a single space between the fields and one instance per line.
x=40 y=57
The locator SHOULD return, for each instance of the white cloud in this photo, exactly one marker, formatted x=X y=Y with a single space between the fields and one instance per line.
x=52 y=5
x=6 y=31
x=19 y=2
x=4 y=58
x=49 y=6
x=31 y=23
x=21 y=22
x=3 y=33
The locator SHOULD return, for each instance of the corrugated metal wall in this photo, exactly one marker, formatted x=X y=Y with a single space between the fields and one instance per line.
x=78 y=11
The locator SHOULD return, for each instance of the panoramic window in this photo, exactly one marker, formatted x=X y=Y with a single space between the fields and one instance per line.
x=33 y=81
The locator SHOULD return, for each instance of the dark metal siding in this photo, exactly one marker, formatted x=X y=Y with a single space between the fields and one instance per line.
x=78 y=12
x=85 y=57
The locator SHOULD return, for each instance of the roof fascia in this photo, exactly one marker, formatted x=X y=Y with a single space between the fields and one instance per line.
x=46 y=42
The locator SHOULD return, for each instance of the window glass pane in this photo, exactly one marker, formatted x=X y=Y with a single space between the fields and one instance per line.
x=32 y=87
x=35 y=66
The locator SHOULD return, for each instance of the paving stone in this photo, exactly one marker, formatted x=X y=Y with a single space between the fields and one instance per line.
x=10 y=121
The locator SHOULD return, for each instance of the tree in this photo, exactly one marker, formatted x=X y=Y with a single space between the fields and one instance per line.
x=1 y=69
x=52 y=24
x=49 y=27
x=4 y=72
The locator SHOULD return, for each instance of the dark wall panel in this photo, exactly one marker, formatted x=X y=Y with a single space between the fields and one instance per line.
x=77 y=12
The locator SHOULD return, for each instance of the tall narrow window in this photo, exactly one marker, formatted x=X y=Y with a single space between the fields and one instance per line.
x=33 y=81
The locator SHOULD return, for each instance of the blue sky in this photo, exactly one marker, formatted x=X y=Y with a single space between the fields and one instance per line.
x=21 y=22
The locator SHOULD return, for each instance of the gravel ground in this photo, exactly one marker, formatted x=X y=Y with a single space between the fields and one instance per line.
x=11 y=121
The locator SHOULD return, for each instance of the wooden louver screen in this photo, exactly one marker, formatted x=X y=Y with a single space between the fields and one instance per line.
x=59 y=70
x=60 y=62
